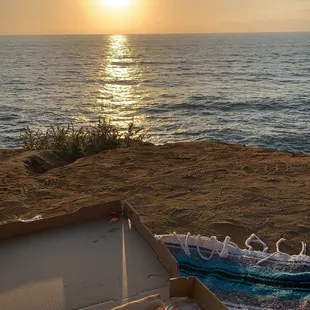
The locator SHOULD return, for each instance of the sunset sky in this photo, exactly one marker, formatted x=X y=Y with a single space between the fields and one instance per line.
x=152 y=16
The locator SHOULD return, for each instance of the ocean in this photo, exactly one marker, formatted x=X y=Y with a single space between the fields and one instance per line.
x=251 y=89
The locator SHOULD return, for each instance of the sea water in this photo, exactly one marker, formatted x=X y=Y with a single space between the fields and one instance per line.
x=251 y=89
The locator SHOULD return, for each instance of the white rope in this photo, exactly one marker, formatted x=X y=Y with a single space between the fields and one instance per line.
x=254 y=239
x=184 y=246
x=227 y=247
x=36 y=218
x=234 y=245
x=226 y=243
x=187 y=239
x=273 y=254
x=304 y=249
x=214 y=241
x=278 y=244
x=225 y=252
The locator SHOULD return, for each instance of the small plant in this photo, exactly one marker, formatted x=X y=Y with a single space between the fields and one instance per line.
x=84 y=141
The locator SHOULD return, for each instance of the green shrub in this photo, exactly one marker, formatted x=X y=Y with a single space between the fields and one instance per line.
x=83 y=141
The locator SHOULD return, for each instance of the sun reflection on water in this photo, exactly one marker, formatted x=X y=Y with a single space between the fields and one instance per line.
x=120 y=79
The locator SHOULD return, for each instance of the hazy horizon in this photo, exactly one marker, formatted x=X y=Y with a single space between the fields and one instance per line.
x=84 y=17
x=150 y=34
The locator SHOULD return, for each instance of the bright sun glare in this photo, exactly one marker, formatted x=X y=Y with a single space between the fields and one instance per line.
x=115 y=3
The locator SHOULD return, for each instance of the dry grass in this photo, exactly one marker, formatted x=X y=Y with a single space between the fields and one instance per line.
x=84 y=141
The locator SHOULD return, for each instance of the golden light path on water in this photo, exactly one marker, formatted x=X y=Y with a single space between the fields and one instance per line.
x=119 y=82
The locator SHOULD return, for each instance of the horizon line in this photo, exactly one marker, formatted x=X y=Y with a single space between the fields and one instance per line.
x=128 y=34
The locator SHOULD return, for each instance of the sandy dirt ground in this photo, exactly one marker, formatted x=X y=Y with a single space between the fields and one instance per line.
x=205 y=188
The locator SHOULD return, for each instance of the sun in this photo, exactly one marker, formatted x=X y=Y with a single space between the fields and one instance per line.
x=115 y=3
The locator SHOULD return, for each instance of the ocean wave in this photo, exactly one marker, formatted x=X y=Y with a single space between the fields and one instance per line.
x=169 y=95
x=121 y=82
x=207 y=98
x=9 y=117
